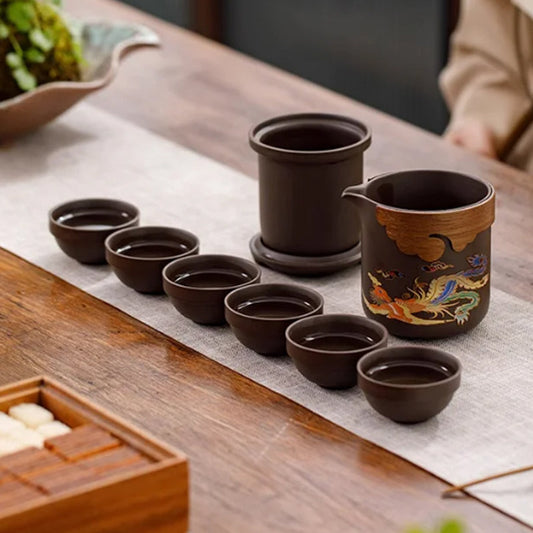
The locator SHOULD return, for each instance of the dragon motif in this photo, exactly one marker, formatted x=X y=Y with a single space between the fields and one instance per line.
x=447 y=298
x=391 y=274
x=436 y=265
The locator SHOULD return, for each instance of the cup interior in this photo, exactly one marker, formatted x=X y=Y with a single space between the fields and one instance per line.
x=273 y=301
x=211 y=272
x=94 y=214
x=408 y=366
x=148 y=242
x=427 y=190
x=336 y=333
x=309 y=133
x=307 y=137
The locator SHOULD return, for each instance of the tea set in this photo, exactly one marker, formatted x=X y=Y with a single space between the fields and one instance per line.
x=422 y=237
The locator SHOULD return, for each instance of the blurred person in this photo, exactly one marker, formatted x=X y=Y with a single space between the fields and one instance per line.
x=488 y=81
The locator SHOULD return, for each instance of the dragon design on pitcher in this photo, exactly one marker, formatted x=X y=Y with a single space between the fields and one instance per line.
x=448 y=298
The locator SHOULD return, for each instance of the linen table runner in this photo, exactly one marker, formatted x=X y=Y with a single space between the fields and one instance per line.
x=88 y=153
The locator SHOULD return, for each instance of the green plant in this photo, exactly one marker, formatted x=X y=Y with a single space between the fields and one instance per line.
x=449 y=526
x=36 y=46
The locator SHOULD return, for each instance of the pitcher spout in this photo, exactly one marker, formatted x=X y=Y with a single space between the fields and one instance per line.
x=357 y=195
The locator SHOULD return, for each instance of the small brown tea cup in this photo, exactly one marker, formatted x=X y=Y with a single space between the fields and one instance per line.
x=81 y=227
x=197 y=285
x=409 y=384
x=138 y=255
x=260 y=314
x=326 y=348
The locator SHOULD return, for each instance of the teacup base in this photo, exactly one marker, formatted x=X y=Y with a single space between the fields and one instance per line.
x=298 y=265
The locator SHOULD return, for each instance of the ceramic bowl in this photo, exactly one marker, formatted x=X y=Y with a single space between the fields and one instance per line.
x=260 y=314
x=104 y=43
x=197 y=285
x=409 y=384
x=81 y=227
x=138 y=255
x=327 y=348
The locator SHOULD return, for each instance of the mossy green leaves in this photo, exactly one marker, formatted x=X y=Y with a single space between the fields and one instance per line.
x=14 y=60
x=34 y=56
x=40 y=40
x=25 y=79
x=38 y=46
x=4 y=31
x=21 y=14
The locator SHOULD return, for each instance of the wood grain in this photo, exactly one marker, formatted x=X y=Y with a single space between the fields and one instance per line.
x=135 y=509
x=414 y=233
x=259 y=462
x=154 y=498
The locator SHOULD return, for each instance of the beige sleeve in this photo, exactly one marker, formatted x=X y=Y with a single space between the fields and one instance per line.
x=482 y=80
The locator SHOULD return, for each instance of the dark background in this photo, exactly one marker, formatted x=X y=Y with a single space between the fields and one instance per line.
x=384 y=53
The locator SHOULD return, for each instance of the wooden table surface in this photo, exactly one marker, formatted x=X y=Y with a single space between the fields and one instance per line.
x=259 y=462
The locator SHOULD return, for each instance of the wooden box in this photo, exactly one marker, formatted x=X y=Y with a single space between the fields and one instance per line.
x=153 y=498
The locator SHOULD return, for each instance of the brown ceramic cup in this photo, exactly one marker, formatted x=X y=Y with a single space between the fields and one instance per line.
x=138 y=255
x=426 y=244
x=259 y=314
x=409 y=384
x=197 y=285
x=81 y=227
x=327 y=348
x=305 y=162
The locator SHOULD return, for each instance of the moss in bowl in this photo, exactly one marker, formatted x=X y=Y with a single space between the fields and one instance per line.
x=36 y=46
x=48 y=88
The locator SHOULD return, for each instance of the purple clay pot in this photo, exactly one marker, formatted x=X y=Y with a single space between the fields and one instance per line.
x=305 y=162
x=426 y=251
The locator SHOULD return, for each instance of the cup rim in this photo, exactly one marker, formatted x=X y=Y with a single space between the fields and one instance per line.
x=488 y=197
x=194 y=258
x=332 y=154
x=311 y=292
x=364 y=320
x=187 y=234
x=396 y=352
x=125 y=225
